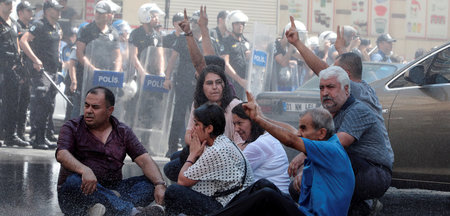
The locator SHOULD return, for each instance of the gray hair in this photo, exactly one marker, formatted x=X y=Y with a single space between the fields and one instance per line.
x=340 y=74
x=321 y=118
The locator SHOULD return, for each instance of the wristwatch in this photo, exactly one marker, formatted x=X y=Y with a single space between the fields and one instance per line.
x=160 y=183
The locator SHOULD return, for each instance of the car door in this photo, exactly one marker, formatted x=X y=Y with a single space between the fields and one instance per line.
x=419 y=121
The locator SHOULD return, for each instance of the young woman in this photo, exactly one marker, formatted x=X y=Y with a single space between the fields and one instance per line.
x=215 y=170
x=212 y=86
x=264 y=152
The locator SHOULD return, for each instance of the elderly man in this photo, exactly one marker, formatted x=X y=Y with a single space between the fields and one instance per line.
x=91 y=150
x=363 y=134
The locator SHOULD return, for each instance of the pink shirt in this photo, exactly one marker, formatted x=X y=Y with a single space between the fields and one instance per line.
x=229 y=127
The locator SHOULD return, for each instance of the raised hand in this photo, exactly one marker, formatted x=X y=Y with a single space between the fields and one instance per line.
x=203 y=20
x=292 y=34
x=185 y=25
x=251 y=107
x=340 y=41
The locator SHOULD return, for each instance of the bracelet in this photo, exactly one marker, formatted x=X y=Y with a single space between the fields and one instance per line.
x=189 y=34
x=188 y=161
x=160 y=183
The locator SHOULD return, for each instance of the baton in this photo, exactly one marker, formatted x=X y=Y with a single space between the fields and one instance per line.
x=54 y=85
x=371 y=51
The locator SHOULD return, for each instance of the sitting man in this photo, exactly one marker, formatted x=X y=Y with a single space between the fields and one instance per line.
x=364 y=136
x=91 y=150
x=328 y=179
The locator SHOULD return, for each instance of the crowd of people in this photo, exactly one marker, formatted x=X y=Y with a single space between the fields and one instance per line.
x=232 y=161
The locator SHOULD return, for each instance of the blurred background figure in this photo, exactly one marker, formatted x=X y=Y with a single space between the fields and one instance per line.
x=169 y=40
x=351 y=41
x=326 y=40
x=220 y=31
x=384 y=44
x=124 y=30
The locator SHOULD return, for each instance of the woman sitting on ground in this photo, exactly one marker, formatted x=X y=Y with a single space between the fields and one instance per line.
x=264 y=152
x=212 y=86
x=215 y=171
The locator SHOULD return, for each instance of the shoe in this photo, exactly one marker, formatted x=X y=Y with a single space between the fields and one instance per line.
x=97 y=210
x=376 y=207
x=51 y=137
x=151 y=210
x=15 y=140
x=23 y=137
x=50 y=144
x=39 y=145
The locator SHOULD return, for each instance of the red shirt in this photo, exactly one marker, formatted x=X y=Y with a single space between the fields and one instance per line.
x=105 y=160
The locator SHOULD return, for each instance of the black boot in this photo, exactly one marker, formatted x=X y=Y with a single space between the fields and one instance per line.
x=51 y=136
x=39 y=142
x=15 y=140
x=21 y=135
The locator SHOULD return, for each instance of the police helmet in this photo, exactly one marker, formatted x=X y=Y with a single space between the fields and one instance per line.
x=121 y=26
x=235 y=16
x=327 y=36
x=301 y=29
x=146 y=10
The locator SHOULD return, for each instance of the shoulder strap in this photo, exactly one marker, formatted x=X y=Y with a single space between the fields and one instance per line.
x=237 y=187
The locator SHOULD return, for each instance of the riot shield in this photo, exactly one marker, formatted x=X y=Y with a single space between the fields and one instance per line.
x=260 y=67
x=101 y=54
x=154 y=103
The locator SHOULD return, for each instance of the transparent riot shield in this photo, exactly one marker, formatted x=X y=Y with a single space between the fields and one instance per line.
x=260 y=67
x=154 y=103
x=100 y=53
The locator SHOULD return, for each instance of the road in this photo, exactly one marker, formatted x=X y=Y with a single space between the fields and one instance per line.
x=28 y=187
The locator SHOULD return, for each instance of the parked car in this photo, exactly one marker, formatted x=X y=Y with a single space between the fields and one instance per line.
x=416 y=110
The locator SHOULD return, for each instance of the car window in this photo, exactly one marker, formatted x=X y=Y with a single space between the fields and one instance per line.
x=371 y=73
x=437 y=70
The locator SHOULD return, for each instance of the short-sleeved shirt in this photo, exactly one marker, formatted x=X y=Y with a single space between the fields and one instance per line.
x=380 y=57
x=8 y=41
x=221 y=167
x=371 y=138
x=229 y=126
x=328 y=180
x=100 y=47
x=23 y=28
x=269 y=160
x=236 y=50
x=365 y=93
x=45 y=44
x=105 y=159
x=169 y=40
x=141 y=39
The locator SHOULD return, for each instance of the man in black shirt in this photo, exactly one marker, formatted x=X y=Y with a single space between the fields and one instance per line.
x=220 y=32
x=41 y=45
x=11 y=71
x=237 y=49
x=169 y=40
x=145 y=36
x=25 y=14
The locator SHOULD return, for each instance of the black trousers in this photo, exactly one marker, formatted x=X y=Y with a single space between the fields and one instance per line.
x=42 y=104
x=10 y=100
x=261 y=198
x=184 y=95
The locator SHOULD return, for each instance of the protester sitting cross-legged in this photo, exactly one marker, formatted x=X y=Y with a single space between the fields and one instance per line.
x=264 y=152
x=215 y=170
x=212 y=86
x=91 y=150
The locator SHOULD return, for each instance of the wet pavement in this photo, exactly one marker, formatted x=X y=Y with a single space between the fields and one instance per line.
x=28 y=180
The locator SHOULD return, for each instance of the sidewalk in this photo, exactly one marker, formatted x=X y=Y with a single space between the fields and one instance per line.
x=28 y=179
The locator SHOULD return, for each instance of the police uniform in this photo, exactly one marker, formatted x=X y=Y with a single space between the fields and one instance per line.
x=142 y=40
x=236 y=50
x=45 y=46
x=24 y=88
x=11 y=70
x=100 y=46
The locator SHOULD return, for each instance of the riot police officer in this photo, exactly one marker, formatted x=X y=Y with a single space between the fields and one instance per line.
x=41 y=45
x=11 y=71
x=236 y=48
x=169 y=40
x=25 y=13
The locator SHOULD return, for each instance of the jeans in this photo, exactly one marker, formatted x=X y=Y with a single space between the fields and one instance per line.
x=181 y=199
x=135 y=191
